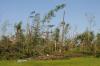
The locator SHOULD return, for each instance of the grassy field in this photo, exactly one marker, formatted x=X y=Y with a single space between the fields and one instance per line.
x=68 y=62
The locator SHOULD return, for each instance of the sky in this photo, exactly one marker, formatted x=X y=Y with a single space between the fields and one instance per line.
x=13 y=11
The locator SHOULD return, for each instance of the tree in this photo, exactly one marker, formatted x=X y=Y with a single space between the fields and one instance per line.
x=4 y=27
x=98 y=38
x=50 y=15
x=97 y=45
x=65 y=28
x=20 y=40
x=56 y=37
x=85 y=41
x=19 y=32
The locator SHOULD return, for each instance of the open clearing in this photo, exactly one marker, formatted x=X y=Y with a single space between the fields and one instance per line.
x=88 y=61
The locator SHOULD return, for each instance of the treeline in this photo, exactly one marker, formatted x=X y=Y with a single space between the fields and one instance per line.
x=41 y=39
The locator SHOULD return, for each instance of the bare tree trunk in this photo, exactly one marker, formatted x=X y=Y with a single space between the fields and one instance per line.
x=55 y=46
x=95 y=48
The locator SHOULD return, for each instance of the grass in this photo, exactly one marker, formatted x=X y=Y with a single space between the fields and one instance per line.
x=87 y=61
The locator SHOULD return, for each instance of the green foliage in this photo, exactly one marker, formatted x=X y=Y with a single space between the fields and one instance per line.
x=51 y=13
x=86 y=36
x=56 y=34
x=98 y=39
